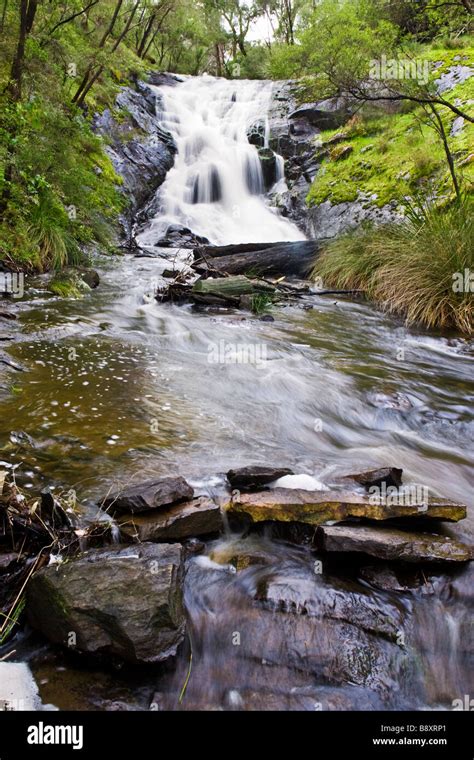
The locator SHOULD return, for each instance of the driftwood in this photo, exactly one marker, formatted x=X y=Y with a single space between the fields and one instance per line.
x=232 y=286
x=257 y=259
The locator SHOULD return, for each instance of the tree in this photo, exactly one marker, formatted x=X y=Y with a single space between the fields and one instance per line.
x=360 y=55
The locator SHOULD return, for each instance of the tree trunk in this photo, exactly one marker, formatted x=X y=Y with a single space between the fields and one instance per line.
x=85 y=80
x=27 y=17
x=294 y=258
x=449 y=156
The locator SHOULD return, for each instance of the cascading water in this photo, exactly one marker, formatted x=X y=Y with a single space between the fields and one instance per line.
x=216 y=187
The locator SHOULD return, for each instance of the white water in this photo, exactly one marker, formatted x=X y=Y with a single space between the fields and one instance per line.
x=216 y=186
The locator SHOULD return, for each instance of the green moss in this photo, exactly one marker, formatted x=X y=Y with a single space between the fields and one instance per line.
x=398 y=155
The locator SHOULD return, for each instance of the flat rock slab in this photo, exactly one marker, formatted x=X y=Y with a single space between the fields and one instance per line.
x=198 y=517
x=18 y=689
x=318 y=507
x=150 y=494
x=122 y=601
x=392 y=544
x=256 y=476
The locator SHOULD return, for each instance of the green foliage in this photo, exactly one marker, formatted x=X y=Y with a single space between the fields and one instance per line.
x=410 y=268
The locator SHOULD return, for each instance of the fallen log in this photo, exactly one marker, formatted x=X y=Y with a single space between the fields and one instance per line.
x=295 y=258
x=232 y=286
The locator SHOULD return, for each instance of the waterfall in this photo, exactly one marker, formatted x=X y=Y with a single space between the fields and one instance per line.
x=216 y=186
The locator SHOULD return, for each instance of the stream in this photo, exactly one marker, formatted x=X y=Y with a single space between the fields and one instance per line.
x=119 y=387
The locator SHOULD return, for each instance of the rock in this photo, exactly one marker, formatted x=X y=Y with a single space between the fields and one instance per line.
x=391 y=544
x=340 y=152
x=160 y=78
x=318 y=507
x=296 y=630
x=325 y=114
x=382 y=577
x=18 y=689
x=391 y=476
x=255 y=476
x=256 y=133
x=268 y=163
x=179 y=236
x=198 y=517
x=327 y=220
x=150 y=494
x=121 y=601
x=89 y=276
x=141 y=151
x=7 y=560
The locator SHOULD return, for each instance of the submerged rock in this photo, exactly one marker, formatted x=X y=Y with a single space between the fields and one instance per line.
x=255 y=476
x=318 y=507
x=150 y=494
x=124 y=602
x=198 y=517
x=392 y=544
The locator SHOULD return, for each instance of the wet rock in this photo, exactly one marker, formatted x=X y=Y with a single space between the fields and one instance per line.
x=318 y=507
x=141 y=151
x=178 y=236
x=150 y=494
x=392 y=544
x=160 y=78
x=268 y=163
x=7 y=560
x=255 y=476
x=296 y=632
x=391 y=476
x=256 y=133
x=382 y=577
x=198 y=517
x=124 y=602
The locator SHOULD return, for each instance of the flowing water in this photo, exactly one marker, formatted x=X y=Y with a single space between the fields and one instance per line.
x=118 y=387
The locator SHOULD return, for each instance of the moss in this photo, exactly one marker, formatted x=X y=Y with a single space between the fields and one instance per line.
x=68 y=285
x=395 y=155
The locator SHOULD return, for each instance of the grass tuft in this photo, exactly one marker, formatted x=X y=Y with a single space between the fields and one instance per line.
x=421 y=268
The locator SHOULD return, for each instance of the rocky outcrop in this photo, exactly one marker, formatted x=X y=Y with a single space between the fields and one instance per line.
x=124 y=602
x=141 y=151
x=198 y=517
x=318 y=507
x=391 y=544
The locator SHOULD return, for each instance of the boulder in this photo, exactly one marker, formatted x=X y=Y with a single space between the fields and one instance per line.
x=178 y=236
x=256 y=133
x=198 y=517
x=325 y=114
x=268 y=162
x=391 y=544
x=160 y=78
x=255 y=476
x=150 y=494
x=122 y=601
x=318 y=507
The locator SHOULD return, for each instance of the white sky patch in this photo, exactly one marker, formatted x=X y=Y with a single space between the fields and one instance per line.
x=260 y=30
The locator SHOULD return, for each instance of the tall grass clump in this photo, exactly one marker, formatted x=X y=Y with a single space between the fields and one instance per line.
x=421 y=268
x=48 y=230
